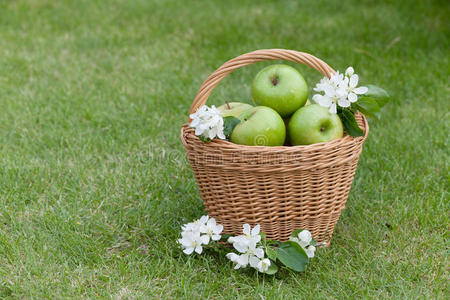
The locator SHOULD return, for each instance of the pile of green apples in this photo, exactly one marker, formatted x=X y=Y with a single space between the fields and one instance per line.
x=283 y=115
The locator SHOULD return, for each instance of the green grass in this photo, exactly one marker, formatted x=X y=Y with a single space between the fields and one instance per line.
x=94 y=182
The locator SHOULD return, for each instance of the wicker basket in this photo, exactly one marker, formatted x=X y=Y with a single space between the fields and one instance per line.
x=281 y=188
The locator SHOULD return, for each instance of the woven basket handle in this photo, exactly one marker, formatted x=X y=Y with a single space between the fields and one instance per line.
x=250 y=58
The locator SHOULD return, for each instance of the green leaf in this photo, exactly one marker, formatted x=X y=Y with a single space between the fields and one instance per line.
x=369 y=107
x=271 y=253
x=228 y=125
x=225 y=237
x=313 y=242
x=273 y=268
x=349 y=122
x=292 y=256
x=204 y=139
x=378 y=94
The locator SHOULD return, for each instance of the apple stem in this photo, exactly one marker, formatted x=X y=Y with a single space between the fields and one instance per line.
x=254 y=112
x=322 y=128
x=228 y=105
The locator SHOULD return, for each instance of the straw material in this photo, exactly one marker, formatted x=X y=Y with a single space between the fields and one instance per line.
x=282 y=188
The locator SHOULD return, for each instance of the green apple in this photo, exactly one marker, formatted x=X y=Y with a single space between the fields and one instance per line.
x=280 y=87
x=314 y=124
x=234 y=109
x=259 y=126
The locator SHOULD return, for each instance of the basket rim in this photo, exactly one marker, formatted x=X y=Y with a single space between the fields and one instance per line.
x=227 y=145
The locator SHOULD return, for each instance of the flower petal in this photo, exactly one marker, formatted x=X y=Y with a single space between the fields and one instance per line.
x=211 y=134
x=204 y=239
x=349 y=71
x=333 y=108
x=211 y=222
x=243 y=260
x=259 y=252
x=310 y=251
x=341 y=93
x=325 y=101
x=188 y=250
x=254 y=261
x=186 y=242
x=352 y=97
x=246 y=228
x=255 y=230
x=216 y=237
x=199 y=249
x=221 y=135
x=198 y=131
x=361 y=90
x=343 y=102
x=305 y=236
x=232 y=256
x=255 y=239
x=241 y=247
x=218 y=229
x=353 y=80
x=329 y=90
x=316 y=97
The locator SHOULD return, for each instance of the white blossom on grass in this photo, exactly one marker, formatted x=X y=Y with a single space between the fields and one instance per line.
x=235 y=258
x=263 y=265
x=195 y=226
x=198 y=233
x=208 y=122
x=192 y=241
x=246 y=245
x=211 y=229
x=304 y=239
x=249 y=239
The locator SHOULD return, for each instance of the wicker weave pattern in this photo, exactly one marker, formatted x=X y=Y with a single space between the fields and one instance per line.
x=281 y=188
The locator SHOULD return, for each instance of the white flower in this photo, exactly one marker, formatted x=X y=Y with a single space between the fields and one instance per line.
x=310 y=251
x=246 y=244
x=236 y=259
x=211 y=229
x=192 y=241
x=242 y=260
x=254 y=261
x=251 y=234
x=339 y=89
x=249 y=240
x=334 y=93
x=251 y=256
x=208 y=122
x=352 y=90
x=195 y=226
x=331 y=98
x=263 y=265
x=349 y=71
x=304 y=238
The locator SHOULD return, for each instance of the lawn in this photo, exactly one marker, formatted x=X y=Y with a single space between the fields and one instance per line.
x=93 y=176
